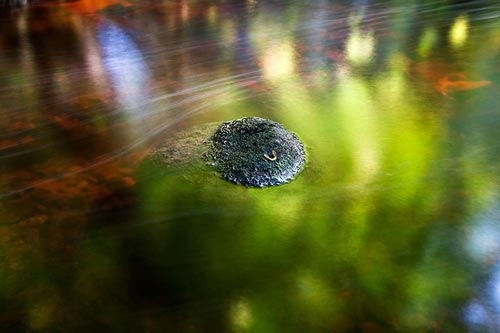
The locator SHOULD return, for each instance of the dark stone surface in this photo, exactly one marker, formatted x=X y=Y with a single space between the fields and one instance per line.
x=256 y=152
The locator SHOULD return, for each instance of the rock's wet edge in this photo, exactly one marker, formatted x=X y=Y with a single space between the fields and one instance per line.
x=185 y=146
x=256 y=152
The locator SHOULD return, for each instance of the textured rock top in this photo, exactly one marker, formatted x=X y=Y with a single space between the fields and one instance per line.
x=255 y=152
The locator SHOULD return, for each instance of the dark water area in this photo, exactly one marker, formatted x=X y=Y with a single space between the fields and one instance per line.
x=392 y=226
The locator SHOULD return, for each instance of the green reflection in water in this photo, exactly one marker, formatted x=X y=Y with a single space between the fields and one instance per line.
x=369 y=235
x=368 y=238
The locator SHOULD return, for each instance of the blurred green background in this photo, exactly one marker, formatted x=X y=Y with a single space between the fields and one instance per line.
x=392 y=226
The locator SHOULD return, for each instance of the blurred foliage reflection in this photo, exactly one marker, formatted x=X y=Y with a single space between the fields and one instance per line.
x=391 y=227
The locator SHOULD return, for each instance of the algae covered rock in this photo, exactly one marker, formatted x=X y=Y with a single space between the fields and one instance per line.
x=184 y=148
x=250 y=151
x=255 y=152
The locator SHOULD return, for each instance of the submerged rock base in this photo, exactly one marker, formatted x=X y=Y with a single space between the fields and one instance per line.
x=255 y=152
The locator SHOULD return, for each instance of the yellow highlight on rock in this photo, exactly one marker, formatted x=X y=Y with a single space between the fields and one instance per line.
x=459 y=31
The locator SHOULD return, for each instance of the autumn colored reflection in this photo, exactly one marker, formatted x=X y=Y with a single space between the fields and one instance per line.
x=391 y=227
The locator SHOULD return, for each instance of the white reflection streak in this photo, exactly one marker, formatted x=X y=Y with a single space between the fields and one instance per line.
x=234 y=96
x=494 y=287
x=26 y=56
x=228 y=80
x=475 y=314
x=483 y=244
x=93 y=57
x=126 y=67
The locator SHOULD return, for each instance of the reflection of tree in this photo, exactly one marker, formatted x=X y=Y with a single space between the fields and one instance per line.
x=13 y=3
x=54 y=124
x=369 y=238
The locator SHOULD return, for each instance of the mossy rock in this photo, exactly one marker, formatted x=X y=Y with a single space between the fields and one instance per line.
x=184 y=148
x=256 y=152
x=252 y=151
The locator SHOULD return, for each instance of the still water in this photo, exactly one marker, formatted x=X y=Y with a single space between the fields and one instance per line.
x=393 y=225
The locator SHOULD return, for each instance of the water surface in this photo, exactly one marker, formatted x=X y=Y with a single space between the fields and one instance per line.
x=393 y=225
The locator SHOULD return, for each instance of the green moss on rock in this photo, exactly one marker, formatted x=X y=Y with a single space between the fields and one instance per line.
x=255 y=152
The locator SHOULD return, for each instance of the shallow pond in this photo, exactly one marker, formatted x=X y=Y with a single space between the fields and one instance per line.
x=393 y=225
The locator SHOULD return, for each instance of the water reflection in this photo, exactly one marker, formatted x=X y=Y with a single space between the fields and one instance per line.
x=427 y=42
x=459 y=31
x=483 y=312
x=385 y=230
x=126 y=68
x=360 y=45
x=278 y=62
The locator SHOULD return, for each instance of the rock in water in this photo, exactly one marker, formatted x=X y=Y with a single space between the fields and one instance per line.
x=255 y=152
x=185 y=148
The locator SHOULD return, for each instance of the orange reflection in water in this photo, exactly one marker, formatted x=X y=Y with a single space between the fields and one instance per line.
x=85 y=7
x=447 y=84
x=444 y=77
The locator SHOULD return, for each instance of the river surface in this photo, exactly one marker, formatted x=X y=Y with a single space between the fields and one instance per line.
x=392 y=226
